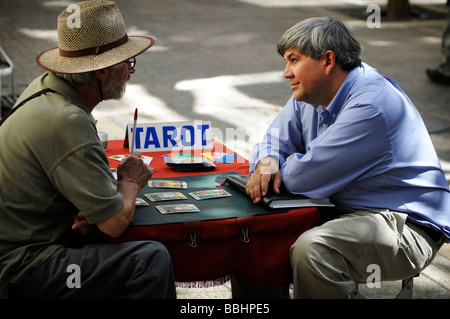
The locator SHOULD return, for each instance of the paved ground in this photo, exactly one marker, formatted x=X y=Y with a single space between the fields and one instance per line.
x=216 y=60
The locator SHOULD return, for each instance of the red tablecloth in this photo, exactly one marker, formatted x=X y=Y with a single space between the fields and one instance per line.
x=255 y=248
x=240 y=164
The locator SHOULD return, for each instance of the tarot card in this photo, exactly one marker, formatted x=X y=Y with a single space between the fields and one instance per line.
x=208 y=194
x=147 y=159
x=141 y=202
x=167 y=184
x=156 y=197
x=176 y=209
x=118 y=157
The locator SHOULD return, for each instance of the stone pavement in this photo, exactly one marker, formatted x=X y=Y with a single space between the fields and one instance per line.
x=216 y=60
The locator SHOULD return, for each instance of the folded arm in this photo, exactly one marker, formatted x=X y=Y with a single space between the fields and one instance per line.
x=133 y=174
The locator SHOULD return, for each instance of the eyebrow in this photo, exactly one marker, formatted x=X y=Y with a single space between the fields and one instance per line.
x=290 y=55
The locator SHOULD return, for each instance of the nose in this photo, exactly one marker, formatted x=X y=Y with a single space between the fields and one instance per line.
x=132 y=71
x=287 y=73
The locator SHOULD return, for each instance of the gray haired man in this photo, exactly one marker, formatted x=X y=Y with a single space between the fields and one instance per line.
x=352 y=135
x=55 y=180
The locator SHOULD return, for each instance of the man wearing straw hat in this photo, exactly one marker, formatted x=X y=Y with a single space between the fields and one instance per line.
x=55 y=176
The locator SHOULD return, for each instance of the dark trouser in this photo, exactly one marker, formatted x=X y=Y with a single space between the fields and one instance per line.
x=140 y=269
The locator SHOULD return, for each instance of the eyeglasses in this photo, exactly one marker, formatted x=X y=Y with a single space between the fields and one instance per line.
x=131 y=63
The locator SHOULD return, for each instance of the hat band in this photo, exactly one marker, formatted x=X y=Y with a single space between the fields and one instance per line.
x=94 y=50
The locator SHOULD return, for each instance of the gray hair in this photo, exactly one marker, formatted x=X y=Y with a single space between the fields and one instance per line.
x=314 y=36
x=77 y=78
x=82 y=78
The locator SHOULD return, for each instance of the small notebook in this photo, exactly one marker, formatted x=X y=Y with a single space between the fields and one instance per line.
x=283 y=200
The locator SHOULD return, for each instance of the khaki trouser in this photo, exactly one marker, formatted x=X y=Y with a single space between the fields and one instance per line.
x=330 y=259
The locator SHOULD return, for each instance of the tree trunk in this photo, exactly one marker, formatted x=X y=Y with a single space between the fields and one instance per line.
x=398 y=9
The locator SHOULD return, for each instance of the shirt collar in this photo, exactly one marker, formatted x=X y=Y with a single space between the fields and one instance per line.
x=54 y=82
x=344 y=91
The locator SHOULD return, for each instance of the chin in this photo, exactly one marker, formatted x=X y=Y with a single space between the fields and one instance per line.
x=119 y=94
x=298 y=97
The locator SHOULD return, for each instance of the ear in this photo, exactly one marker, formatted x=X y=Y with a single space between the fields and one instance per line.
x=101 y=74
x=329 y=60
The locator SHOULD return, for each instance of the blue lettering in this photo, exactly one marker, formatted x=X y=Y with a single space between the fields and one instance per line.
x=151 y=138
x=169 y=134
x=137 y=138
x=184 y=141
x=203 y=128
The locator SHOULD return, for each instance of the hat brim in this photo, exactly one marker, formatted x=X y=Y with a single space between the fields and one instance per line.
x=50 y=60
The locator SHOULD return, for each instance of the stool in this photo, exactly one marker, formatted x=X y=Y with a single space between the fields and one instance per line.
x=405 y=292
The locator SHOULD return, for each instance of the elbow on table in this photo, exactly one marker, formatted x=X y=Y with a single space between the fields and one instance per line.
x=311 y=188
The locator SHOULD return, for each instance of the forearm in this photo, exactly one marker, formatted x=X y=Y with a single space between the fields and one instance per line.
x=283 y=137
x=117 y=224
x=133 y=175
x=129 y=192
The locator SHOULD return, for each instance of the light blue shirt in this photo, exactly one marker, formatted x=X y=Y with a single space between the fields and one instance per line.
x=369 y=149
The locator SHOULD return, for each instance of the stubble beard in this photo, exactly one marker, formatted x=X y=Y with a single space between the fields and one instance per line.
x=115 y=91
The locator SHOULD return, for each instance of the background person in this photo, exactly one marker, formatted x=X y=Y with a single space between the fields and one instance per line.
x=441 y=74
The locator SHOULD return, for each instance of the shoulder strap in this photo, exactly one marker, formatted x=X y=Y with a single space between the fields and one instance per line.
x=11 y=111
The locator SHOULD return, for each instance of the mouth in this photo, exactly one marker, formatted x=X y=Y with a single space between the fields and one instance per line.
x=294 y=85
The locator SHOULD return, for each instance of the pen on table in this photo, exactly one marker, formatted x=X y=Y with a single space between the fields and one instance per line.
x=134 y=130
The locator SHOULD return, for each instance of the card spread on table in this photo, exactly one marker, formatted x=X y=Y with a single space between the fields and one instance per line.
x=141 y=202
x=179 y=208
x=156 y=197
x=208 y=194
x=226 y=158
x=182 y=155
x=167 y=184
x=147 y=159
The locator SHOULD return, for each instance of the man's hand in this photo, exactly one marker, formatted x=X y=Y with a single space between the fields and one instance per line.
x=80 y=224
x=132 y=169
x=267 y=171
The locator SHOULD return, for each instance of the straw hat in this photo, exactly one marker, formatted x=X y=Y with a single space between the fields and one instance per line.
x=99 y=41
